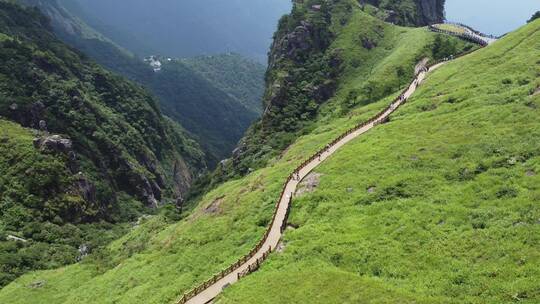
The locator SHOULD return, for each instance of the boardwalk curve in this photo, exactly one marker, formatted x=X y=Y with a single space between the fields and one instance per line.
x=251 y=262
x=210 y=289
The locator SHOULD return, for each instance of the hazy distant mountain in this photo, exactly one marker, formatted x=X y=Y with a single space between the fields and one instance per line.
x=189 y=27
x=215 y=98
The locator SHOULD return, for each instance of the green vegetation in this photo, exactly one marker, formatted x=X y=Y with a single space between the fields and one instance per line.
x=156 y=262
x=441 y=205
x=113 y=158
x=202 y=101
x=215 y=118
x=239 y=77
x=343 y=49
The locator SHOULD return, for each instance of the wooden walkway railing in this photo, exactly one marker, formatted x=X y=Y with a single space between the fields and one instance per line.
x=253 y=267
x=477 y=38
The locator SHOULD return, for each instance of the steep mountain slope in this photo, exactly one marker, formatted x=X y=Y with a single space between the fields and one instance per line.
x=440 y=205
x=239 y=77
x=304 y=70
x=103 y=152
x=217 y=119
x=203 y=105
x=407 y=12
x=157 y=262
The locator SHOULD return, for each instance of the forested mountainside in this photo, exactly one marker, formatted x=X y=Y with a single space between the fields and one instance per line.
x=157 y=262
x=201 y=101
x=307 y=59
x=81 y=149
x=235 y=75
x=216 y=118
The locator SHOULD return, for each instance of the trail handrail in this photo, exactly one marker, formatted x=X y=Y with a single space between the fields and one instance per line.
x=399 y=101
x=465 y=36
x=472 y=30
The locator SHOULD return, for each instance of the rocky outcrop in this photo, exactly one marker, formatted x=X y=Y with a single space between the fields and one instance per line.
x=410 y=12
x=85 y=188
x=293 y=44
x=54 y=143
x=430 y=11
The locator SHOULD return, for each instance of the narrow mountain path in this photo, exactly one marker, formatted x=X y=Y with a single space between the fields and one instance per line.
x=207 y=291
x=275 y=233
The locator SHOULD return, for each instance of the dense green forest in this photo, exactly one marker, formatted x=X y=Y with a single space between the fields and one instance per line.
x=232 y=73
x=81 y=149
x=216 y=119
x=202 y=101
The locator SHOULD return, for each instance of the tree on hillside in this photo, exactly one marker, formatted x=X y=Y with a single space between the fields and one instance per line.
x=534 y=17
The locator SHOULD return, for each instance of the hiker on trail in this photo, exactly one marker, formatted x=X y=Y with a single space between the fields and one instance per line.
x=328 y=148
x=319 y=155
x=297 y=176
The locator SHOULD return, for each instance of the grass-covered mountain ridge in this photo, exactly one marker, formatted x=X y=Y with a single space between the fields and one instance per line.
x=157 y=262
x=438 y=205
x=304 y=69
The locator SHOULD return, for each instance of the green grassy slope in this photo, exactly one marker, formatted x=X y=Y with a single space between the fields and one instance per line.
x=156 y=262
x=318 y=54
x=453 y=211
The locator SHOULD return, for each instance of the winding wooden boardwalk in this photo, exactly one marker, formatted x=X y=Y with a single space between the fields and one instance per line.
x=275 y=233
x=206 y=292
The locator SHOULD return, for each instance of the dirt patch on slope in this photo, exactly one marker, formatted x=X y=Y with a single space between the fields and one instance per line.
x=215 y=206
x=309 y=184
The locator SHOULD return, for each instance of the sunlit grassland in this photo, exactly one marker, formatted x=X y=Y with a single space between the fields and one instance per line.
x=157 y=262
x=440 y=205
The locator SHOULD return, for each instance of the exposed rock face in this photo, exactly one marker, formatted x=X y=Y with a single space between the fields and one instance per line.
x=293 y=44
x=426 y=11
x=54 y=143
x=309 y=184
x=215 y=206
x=86 y=188
x=430 y=11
